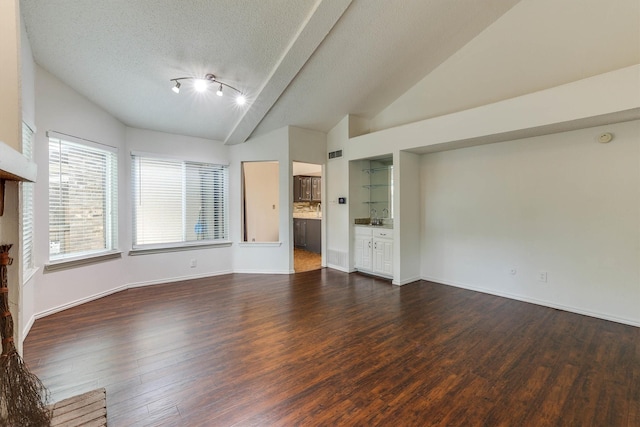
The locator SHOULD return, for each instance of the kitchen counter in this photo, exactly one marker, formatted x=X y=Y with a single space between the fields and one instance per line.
x=384 y=226
x=307 y=215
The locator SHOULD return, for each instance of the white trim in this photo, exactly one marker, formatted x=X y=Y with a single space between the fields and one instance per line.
x=27 y=328
x=65 y=263
x=14 y=163
x=264 y=271
x=52 y=134
x=161 y=156
x=176 y=279
x=406 y=281
x=189 y=246
x=339 y=268
x=259 y=244
x=536 y=301
x=80 y=301
x=26 y=277
x=99 y=295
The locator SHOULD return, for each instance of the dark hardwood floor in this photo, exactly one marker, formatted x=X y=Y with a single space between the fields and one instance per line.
x=329 y=348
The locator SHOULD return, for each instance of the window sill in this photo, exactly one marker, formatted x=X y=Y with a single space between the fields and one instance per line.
x=183 y=247
x=64 y=264
x=259 y=244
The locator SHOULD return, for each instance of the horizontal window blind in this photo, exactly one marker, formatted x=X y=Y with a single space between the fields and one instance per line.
x=82 y=199
x=27 y=204
x=178 y=201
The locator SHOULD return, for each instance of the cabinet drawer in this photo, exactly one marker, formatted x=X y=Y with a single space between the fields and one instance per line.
x=383 y=233
x=364 y=231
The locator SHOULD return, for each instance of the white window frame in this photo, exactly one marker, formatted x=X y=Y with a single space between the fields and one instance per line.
x=27 y=210
x=110 y=231
x=141 y=249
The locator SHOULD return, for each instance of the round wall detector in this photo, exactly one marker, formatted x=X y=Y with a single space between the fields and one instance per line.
x=605 y=137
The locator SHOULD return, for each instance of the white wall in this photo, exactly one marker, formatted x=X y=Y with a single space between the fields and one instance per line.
x=307 y=146
x=171 y=266
x=336 y=216
x=537 y=44
x=60 y=108
x=10 y=109
x=28 y=72
x=407 y=236
x=261 y=199
x=564 y=204
x=262 y=257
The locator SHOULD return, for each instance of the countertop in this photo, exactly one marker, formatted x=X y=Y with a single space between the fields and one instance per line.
x=385 y=226
x=307 y=215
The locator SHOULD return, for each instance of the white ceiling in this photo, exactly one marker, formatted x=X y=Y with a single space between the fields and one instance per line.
x=305 y=63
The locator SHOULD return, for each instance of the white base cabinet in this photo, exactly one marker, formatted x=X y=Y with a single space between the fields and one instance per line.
x=373 y=250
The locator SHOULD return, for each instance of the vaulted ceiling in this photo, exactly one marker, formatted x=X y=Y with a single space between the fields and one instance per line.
x=305 y=63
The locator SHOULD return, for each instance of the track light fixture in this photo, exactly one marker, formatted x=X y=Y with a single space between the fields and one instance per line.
x=202 y=84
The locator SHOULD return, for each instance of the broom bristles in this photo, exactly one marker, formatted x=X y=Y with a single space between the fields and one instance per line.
x=22 y=394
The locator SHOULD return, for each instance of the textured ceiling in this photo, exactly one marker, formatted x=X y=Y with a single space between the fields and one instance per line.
x=301 y=62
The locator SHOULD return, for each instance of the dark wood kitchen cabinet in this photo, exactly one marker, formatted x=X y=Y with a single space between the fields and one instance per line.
x=306 y=234
x=307 y=188
x=316 y=189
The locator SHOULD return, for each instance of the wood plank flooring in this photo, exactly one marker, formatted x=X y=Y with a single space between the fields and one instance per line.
x=329 y=348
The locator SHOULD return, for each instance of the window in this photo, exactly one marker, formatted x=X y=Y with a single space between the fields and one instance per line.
x=83 y=194
x=27 y=206
x=178 y=202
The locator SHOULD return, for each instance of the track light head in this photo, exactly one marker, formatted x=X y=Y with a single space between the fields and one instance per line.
x=200 y=85
x=176 y=88
x=219 y=91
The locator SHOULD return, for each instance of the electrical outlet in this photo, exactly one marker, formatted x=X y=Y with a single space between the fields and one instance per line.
x=542 y=276
x=193 y=263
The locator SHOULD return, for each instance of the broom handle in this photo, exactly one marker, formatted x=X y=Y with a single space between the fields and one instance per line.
x=6 y=321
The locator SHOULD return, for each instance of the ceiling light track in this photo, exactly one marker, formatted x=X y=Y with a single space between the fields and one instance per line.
x=201 y=84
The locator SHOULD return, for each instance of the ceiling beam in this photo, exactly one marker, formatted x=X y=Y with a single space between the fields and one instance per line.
x=312 y=32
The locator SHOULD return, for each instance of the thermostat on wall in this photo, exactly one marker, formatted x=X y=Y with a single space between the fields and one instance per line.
x=342 y=200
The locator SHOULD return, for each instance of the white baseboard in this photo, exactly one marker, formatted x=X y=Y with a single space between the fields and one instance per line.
x=406 y=281
x=536 y=301
x=264 y=271
x=78 y=302
x=176 y=279
x=27 y=327
x=339 y=268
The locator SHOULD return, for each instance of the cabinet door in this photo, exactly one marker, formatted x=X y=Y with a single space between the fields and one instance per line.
x=300 y=233
x=383 y=256
x=363 y=249
x=316 y=189
x=297 y=189
x=305 y=194
x=313 y=235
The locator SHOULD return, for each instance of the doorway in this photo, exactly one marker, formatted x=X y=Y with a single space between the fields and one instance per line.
x=307 y=216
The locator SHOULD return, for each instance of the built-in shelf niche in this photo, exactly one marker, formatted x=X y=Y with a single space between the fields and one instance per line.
x=379 y=187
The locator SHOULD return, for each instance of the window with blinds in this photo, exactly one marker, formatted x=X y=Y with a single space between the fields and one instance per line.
x=178 y=202
x=83 y=195
x=26 y=207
